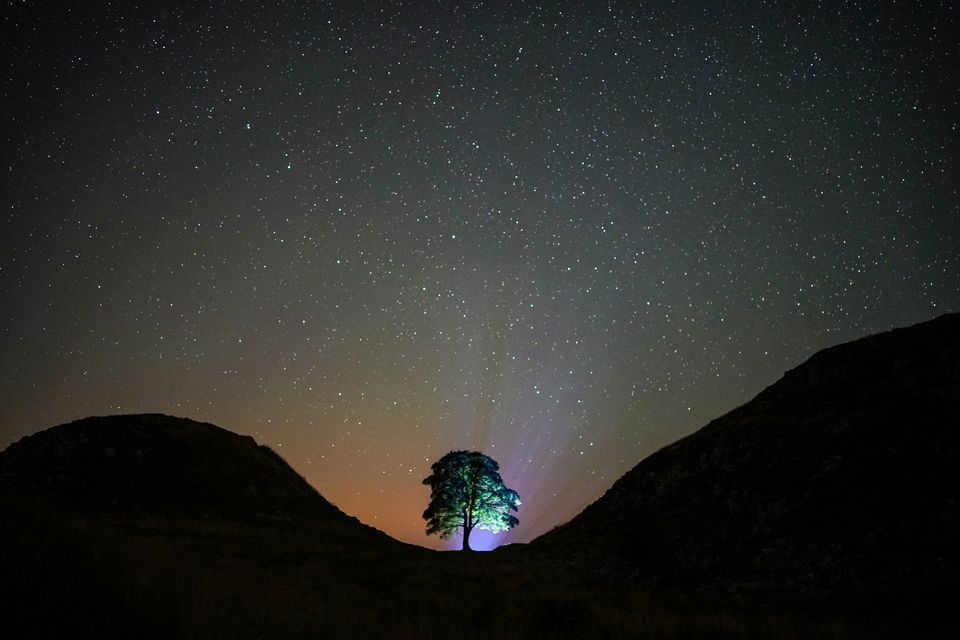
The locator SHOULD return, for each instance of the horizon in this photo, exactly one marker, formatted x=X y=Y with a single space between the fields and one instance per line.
x=481 y=540
x=367 y=234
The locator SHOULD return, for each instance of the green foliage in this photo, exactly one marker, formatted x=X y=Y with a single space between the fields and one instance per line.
x=466 y=492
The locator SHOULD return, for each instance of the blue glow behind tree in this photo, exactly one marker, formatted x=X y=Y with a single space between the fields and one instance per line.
x=467 y=492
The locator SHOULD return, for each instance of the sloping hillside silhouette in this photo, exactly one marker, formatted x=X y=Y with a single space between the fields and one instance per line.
x=843 y=477
x=136 y=466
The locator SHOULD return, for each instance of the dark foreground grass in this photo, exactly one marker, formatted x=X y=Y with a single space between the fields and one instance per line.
x=66 y=577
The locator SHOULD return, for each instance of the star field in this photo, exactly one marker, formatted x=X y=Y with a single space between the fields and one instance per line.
x=563 y=234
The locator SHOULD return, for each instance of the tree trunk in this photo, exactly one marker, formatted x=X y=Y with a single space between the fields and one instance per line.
x=466 y=539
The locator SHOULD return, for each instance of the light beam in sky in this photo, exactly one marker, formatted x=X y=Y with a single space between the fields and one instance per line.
x=369 y=234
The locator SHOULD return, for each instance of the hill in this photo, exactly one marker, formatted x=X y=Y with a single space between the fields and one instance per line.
x=152 y=526
x=827 y=506
x=132 y=466
x=841 y=478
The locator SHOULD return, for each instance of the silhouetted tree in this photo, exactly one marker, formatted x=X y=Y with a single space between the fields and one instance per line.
x=466 y=492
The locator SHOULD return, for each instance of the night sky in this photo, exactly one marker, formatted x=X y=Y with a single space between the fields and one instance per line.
x=370 y=233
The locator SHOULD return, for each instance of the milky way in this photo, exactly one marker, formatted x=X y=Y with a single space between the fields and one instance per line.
x=367 y=235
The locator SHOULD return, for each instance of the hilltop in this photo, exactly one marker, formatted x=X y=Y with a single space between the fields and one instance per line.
x=156 y=466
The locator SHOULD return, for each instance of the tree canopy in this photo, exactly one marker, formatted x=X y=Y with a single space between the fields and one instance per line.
x=466 y=492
